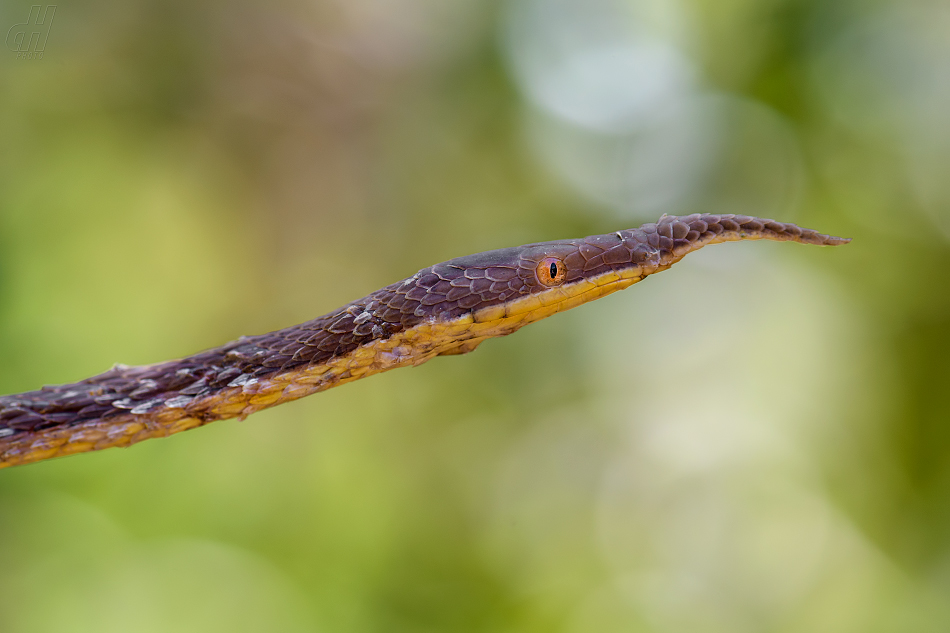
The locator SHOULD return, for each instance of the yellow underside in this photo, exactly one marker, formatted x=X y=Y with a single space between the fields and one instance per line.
x=410 y=347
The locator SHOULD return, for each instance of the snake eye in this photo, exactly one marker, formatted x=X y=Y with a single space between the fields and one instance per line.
x=551 y=271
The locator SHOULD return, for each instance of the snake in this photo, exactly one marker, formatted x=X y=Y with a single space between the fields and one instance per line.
x=446 y=309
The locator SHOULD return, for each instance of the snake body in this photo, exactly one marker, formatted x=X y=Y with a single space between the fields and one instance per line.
x=448 y=308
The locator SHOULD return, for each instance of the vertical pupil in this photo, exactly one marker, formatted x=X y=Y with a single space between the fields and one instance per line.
x=553 y=270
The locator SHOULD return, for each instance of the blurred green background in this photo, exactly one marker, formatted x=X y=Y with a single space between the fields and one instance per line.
x=757 y=440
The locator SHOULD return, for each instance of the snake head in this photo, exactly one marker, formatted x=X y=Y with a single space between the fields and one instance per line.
x=523 y=284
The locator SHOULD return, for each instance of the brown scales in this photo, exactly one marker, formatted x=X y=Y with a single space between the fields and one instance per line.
x=447 y=308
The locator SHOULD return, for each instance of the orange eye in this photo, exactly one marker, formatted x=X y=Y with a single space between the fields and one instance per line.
x=551 y=271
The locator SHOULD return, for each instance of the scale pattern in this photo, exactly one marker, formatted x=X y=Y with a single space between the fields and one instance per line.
x=168 y=397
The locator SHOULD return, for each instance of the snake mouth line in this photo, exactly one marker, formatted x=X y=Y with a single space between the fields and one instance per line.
x=561 y=298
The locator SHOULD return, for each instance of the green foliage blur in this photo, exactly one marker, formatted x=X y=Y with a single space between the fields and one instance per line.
x=756 y=440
